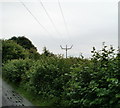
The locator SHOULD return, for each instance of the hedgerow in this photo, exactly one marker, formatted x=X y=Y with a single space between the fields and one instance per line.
x=96 y=84
x=15 y=70
x=72 y=82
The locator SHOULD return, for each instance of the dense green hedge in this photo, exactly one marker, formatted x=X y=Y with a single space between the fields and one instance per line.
x=74 y=82
x=15 y=70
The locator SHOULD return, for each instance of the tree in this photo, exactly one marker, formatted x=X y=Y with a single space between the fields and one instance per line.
x=27 y=44
x=11 y=50
x=47 y=52
x=24 y=42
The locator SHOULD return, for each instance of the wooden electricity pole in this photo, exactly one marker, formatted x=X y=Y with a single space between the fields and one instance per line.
x=66 y=49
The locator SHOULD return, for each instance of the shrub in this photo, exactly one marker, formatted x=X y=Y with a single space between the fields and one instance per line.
x=45 y=75
x=71 y=82
x=15 y=70
x=96 y=84
x=11 y=50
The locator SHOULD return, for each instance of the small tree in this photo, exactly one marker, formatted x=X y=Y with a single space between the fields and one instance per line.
x=24 y=42
x=47 y=52
x=11 y=50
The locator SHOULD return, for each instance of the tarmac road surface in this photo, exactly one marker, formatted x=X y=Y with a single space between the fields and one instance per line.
x=10 y=97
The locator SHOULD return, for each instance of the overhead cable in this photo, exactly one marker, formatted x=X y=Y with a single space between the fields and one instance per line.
x=40 y=1
x=63 y=17
x=34 y=17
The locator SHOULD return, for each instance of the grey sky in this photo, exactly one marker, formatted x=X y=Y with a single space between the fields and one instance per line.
x=89 y=24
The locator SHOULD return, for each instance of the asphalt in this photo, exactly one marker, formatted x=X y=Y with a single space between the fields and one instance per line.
x=8 y=96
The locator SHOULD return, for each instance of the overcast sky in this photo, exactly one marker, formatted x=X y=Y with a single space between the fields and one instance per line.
x=88 y=23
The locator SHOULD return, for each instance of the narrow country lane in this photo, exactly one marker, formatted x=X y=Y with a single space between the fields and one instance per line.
x=10 y=97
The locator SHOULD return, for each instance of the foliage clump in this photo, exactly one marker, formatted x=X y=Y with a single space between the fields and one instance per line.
x=11 y=50
x=95 y=84
x=15 y=70
x=71 y=82
x=24 y=42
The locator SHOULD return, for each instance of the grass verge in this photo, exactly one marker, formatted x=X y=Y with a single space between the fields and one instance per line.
x=35 y=100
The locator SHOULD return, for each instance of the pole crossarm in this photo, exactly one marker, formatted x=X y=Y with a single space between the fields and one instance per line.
x=62 y=47
x=70 y=48
x=66 y=49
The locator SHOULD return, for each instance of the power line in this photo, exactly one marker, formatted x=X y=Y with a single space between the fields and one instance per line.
x=63 y=17
x=49 y=16
x=34 y=16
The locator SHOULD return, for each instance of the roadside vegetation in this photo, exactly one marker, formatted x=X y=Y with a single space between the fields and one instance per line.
x=51 y=80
